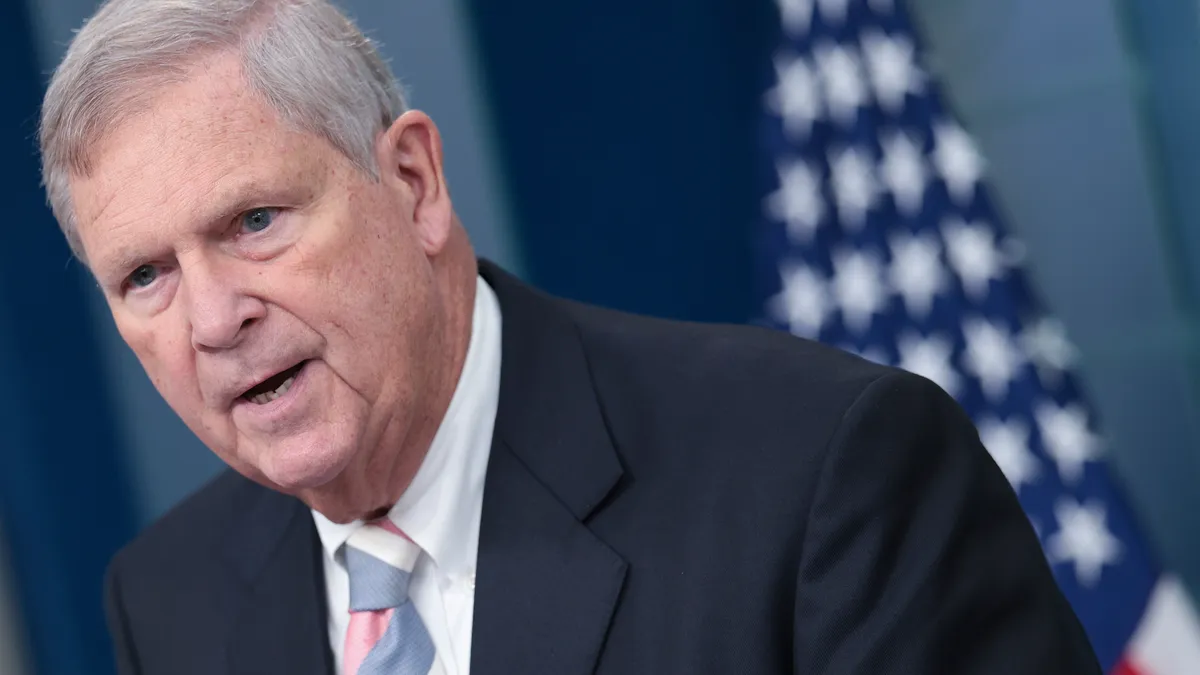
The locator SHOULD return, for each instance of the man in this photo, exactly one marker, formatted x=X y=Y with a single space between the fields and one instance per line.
x=437 y=469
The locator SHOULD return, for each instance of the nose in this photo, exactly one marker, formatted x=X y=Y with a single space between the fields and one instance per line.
x=218 y=309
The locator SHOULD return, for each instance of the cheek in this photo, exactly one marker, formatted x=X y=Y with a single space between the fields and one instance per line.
x=366 y=284
x=168 y=361
x=175 y=379
x=375 y=324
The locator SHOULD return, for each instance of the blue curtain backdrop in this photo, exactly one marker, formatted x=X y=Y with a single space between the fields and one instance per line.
x=600 y=111
x=62 y=493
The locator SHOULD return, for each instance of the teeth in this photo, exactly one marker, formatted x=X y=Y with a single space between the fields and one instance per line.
x=265 y=398
x=283 y=388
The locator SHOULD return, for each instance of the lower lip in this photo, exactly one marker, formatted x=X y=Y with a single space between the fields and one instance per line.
x=270 y=411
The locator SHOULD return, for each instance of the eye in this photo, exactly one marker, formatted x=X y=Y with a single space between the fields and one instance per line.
x=258 y=220
x=143 y=276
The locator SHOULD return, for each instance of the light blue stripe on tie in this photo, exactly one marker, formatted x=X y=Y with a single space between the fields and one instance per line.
x=405 y=649
x=374 y=584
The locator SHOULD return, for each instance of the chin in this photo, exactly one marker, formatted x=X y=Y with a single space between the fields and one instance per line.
x=294 y=467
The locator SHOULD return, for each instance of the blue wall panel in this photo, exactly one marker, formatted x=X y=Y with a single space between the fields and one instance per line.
x=628 y=130
x=62 y=492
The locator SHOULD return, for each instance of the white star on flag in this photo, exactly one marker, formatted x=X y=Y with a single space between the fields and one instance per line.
x=1067 y=439
x=916 y=271
x=903 y=171
x=1083 y=539
x=854 y=185
x=1008 y=444
x=929 y=357
x=841 y=74
x=796 y=15
x=1046 y=343
x=858 y=288
x=991 y=356
x=893 y=70
x=798 y=201
x=803 y=303
x=972 y=250
x=833 y=11
x=796 y=96
x=957 y=161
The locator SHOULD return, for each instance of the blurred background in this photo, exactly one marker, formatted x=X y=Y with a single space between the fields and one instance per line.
x=625 y=153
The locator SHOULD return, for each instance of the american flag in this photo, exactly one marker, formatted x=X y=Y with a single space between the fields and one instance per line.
x=879 y=237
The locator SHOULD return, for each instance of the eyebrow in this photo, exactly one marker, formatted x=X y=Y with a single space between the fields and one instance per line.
x=117 y=265
x=233 y=200
x=124 y=259
x=240 y=197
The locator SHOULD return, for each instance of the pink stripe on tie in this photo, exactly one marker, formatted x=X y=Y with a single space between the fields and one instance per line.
x=365 y=630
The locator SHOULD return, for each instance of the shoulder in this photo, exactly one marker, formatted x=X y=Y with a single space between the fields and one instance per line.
x=190 y=534
x=759 y=376
x=747 y=410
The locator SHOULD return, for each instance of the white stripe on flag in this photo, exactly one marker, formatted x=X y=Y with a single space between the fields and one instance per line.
x=1167 y=641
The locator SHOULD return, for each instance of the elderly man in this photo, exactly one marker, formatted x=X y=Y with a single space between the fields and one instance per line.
x=437 y=469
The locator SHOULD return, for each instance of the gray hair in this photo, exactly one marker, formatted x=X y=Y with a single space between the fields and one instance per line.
x=310 y=63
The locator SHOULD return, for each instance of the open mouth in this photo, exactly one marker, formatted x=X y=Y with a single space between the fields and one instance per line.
x=273 y=387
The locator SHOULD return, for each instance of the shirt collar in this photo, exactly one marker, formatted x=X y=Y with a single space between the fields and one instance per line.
x=440 y=510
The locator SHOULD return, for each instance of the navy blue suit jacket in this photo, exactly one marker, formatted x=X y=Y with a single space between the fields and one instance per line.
x=660 y=498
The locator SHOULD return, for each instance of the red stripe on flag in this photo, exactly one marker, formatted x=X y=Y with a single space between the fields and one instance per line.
x=1126 y=667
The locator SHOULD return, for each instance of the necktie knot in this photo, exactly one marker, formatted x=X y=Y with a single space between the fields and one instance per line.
x=380 y=560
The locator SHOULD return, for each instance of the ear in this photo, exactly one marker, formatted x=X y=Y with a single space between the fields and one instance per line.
x=409 y=155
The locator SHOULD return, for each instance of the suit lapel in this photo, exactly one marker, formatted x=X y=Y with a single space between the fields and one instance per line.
x=546 y=586
x=280 y=624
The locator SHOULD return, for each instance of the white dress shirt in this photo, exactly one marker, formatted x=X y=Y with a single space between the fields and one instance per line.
x=440 y=510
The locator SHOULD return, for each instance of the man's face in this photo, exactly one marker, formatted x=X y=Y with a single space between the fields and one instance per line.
x=283 y=302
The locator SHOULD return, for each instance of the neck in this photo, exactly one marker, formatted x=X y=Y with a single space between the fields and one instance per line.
x=456 y=280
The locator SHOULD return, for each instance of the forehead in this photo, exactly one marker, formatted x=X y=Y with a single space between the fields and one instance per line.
x=198 y=143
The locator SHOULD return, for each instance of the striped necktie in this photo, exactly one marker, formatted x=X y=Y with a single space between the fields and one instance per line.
x=386 y=635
